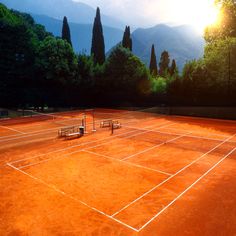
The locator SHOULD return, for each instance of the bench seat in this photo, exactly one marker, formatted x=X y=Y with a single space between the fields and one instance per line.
x=105 y=123
x=71 y=135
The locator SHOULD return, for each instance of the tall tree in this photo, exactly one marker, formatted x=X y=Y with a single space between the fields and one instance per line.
x=66 y=31
x=153 y=62
x=164 y=63
x=127 y=40
x=98 y=45
x=173 y=68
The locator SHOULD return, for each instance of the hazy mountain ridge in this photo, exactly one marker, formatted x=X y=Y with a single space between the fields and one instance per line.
x=75 y=11
x=81 y=34
x=182 y=43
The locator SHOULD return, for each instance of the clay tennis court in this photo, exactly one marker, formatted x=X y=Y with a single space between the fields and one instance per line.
x=157 y=175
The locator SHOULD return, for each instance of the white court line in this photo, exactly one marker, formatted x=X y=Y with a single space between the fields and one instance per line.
x=81 y=144
x=2 y=126
x=190 y=136
x=26 y=135
x=85 y=149
x=158 y=145
x=129 y=136
x=73 y=198
x=181 y=170
x=186 y=190
x=129 y=163
x=31 y=134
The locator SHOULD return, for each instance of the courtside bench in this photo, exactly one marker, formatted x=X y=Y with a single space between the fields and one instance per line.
x=105 y=123
x=76 y=134
x=73 y=135
x=64 y=131
x=116 y=124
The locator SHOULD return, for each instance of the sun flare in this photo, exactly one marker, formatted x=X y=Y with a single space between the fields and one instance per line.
x=198 y=13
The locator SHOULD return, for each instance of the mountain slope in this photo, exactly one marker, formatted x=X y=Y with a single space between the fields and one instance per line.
x=81 y=34
x=182 y=43
x=75 y=11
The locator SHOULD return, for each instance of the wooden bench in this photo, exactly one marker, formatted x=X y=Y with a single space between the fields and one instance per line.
x=105 y=123
x=73 y=135
x=116 y=124
x=64 y=131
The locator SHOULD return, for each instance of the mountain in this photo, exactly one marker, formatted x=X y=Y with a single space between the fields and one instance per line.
x=81 y=34
x=75 y=11
x=182 y=42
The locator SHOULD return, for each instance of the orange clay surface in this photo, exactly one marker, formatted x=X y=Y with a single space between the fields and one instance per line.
x=157 y=175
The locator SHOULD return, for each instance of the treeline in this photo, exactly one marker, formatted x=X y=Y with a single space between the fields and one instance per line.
x=212 y=79
x=38 y=69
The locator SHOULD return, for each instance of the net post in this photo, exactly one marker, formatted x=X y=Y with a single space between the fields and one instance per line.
x=112 y=128
x=93 y=117
x=84 y=121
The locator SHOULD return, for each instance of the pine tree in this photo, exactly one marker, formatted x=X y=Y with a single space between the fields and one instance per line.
x=98 y=46
x=127 y=40
x=66 y=31
x=153 y=62
x=164 y=63
x=173 y=68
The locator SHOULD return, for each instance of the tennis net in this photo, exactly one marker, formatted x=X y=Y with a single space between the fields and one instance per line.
x=57 y=119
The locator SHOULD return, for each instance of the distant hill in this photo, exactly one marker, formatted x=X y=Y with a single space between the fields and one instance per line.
x=75 y=11
x=183 y=43
x=81 y=34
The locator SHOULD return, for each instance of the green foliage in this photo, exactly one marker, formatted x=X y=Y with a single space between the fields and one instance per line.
x=211 y=80
x=85 y=67
x=127 y=40
x=18 y=43
x=37 y=68
x=98 y=46
x=66 y=31
x=153 y=62
x=226 y=26
x=128 y=78
x=158 y=85
x=56 y=59
x=7 y=17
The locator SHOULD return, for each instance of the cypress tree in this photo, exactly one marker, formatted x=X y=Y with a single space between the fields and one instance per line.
x=98 y=46
x=124 y=40
x=127 y=40
x=173 y=68
x=66 y=31
x=164 y=63
x=153 y=62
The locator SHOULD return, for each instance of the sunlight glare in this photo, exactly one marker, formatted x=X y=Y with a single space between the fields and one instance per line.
x=198 y=13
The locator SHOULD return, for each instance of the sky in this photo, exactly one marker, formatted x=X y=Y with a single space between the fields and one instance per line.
x=145 y=13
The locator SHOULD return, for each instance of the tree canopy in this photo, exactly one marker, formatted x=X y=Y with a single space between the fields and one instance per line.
x=98 y=46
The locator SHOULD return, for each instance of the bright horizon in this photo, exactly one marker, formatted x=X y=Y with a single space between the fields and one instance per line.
x=146 y=13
